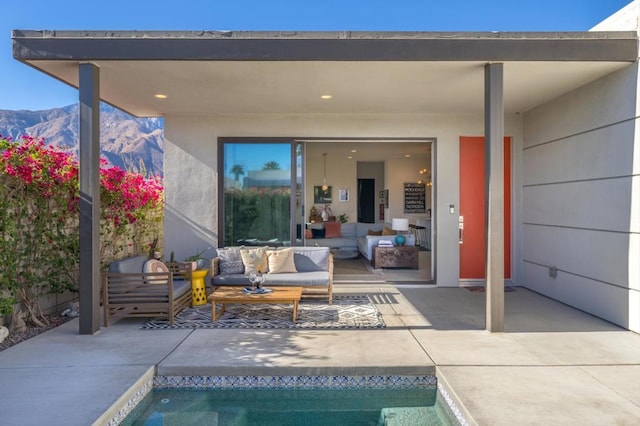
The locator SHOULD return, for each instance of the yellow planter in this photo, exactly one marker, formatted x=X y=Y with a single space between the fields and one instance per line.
x=198 y=288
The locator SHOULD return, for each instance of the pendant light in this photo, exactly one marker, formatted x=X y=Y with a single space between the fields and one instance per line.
x=324 y=172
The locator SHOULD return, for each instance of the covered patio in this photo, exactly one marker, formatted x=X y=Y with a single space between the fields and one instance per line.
x=383 y=85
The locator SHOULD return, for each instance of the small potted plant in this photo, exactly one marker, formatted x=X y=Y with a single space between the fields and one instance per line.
x=154 y=253
x=197 y=261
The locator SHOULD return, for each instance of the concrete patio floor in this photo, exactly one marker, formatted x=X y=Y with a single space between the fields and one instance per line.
x=554 y=365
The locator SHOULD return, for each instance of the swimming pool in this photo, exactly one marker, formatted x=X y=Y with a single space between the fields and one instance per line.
x=290 y=400
x=309 y=407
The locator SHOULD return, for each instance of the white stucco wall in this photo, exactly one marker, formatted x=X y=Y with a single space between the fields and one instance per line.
x=191 y=178
x=341 y=174
x=581 y=185
x=626 y=19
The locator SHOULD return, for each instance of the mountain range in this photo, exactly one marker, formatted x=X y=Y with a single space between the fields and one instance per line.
x=135 y=144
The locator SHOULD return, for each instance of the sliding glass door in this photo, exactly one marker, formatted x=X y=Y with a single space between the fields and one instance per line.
x=257 y=182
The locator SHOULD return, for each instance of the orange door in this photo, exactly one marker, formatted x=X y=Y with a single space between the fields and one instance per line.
x=472 y=208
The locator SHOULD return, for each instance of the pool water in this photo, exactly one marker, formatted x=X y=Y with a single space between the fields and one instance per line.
x=283 y=407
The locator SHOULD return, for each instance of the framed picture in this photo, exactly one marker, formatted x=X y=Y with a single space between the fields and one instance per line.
x=321 y=196
x=343 y=194
x=386 y=198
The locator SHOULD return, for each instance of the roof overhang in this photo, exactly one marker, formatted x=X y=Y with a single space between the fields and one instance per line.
x=222 y=72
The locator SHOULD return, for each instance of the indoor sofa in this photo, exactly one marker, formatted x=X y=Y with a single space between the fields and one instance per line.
x=313 y=269
x=339 y=235
x=358 y=237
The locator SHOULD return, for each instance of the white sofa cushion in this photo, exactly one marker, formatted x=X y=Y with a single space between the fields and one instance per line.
x=309 y=259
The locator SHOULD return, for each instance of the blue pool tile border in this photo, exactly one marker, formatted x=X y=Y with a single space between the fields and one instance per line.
x=132 y=403
x=452 y=409
x=294 y=382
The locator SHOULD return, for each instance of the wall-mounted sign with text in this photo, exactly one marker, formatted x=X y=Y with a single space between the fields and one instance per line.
x=414 y=197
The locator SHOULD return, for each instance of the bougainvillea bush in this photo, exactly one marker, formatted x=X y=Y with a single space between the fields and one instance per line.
x=39 y=247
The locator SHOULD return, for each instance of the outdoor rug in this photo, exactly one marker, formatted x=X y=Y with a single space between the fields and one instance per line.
x=346 y=312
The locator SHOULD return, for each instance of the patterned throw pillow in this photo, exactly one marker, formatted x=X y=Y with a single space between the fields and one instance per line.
x=230 y=261
x=153 y=265
x=281 y=261
x=254 y=260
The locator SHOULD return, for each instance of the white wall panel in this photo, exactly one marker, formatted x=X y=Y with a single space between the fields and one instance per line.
x=606 y=302
x=580 y=198
x=600 y=204
x=625 y=19
x=597 y=255
x=609 y=100
x=600 y=153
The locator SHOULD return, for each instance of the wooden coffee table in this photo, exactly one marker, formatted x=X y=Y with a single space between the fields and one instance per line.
x=235 y=294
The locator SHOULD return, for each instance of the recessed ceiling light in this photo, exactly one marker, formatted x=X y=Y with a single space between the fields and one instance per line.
x=349 y=157
x=160 y=96
x=326 y=96
x=353 y=150
x=407 y=155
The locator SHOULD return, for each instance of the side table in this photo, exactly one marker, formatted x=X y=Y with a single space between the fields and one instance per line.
x=395 y=257
x=198 y=290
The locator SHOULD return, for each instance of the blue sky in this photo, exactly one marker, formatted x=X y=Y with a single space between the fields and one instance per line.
x=24 y=88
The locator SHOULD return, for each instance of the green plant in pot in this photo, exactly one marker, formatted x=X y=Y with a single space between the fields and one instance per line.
x=197 y=261
x=343 y=218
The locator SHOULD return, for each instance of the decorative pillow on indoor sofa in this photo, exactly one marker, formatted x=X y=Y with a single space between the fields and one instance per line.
x=388 y=231
x=317 y=233
x=332 y=230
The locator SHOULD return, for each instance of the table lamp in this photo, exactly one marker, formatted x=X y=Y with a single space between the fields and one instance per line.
x=400 y=225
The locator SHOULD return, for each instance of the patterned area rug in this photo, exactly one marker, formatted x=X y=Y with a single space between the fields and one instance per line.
x=346 y=312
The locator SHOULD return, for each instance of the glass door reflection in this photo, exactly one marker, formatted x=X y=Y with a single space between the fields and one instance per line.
x=257 y=182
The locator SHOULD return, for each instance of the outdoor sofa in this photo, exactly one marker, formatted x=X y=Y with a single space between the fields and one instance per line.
x=129 y=291
x=308 y=267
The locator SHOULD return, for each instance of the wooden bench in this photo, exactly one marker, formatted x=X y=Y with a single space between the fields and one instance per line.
x=140 y=294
